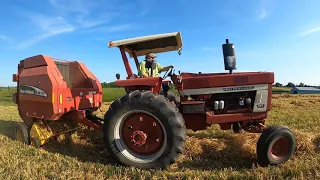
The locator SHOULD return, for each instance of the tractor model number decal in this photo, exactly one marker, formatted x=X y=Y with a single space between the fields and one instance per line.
x=260 y=105
x=238 y=88
x=31 y=90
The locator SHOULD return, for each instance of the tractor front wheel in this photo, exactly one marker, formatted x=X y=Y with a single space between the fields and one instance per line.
x=275 y=146
x=144 y=130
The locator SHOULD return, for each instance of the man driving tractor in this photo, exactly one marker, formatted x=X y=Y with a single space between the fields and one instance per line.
x=150 y=68
x=150 y=63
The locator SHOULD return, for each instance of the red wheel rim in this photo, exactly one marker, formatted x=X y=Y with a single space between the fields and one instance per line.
x=280 y=148
x=142 y=133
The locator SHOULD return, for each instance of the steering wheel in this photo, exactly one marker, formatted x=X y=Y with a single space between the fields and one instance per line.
x=168 y=73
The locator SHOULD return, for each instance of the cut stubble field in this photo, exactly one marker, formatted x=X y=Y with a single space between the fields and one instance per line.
x=211 y=153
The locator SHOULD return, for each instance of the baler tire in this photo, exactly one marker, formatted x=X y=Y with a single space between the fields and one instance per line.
x=35 y=142
x=25 y=133
x=160 y=108
x=267 y=140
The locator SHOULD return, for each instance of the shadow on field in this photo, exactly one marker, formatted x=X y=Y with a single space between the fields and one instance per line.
x=85 y=146
x=317 y=144
x=224 y=152
x=7 y=128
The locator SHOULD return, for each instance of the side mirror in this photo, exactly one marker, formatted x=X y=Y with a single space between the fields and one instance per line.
x=118 y=76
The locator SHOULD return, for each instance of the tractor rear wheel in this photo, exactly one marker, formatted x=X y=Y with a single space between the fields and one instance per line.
x=275 y=146
x=145 y=130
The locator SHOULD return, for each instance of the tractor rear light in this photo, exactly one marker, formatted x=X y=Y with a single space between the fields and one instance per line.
x=221 y=104
x=248 y=101
x=216 y=105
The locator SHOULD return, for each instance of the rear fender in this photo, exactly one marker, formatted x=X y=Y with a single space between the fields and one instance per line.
x=153 y=84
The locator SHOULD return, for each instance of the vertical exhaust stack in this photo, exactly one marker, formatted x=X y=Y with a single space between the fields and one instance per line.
x=229 y=56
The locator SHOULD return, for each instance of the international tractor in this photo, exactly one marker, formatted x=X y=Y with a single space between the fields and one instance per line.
x=146 y=127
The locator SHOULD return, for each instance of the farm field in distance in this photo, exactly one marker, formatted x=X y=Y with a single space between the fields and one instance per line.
x=212 y=153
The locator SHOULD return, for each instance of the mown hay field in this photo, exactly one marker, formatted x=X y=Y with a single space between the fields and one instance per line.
x=209 y=154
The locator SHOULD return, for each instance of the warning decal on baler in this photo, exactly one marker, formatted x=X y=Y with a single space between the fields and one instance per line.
x=31 y=90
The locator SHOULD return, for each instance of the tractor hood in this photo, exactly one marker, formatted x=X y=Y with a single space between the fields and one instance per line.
x=153 y=43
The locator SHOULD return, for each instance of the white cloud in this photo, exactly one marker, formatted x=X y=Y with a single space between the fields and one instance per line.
x=75 y=15
x=41 y=37
x=209 y=49
x=264 y=9
x=263 y=14
x=84 y=13
x=71 y=6
x=311 y=31
x=145 y=6
x=51 y=26
x=116 y=28
x=6 y=38
x=3 y=37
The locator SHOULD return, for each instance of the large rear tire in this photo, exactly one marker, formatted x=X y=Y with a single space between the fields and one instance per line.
x=144 y=130
x=173 y=98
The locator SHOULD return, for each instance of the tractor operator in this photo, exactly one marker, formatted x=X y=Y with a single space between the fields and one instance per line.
x=145 y=69
x=157 y=68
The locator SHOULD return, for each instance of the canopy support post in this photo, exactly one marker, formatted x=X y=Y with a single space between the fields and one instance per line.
x=126 y=62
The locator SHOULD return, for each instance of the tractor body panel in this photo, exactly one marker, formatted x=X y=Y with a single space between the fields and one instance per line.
x=223 y=98
x=148 y=84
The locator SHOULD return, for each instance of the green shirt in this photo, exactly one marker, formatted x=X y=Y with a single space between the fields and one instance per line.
x=143 y=69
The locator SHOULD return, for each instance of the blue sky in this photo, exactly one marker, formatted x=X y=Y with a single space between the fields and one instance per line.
x=269 y=35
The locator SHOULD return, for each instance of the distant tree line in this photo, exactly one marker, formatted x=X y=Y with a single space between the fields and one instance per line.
x=290 y=84
x=109 y=85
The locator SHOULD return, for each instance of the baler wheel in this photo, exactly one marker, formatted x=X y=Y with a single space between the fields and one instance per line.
x=35 y=142
x=22 y=133
x=275 y=146
x=144 y=130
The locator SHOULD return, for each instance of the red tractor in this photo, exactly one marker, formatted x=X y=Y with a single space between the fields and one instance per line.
x=146 y=127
